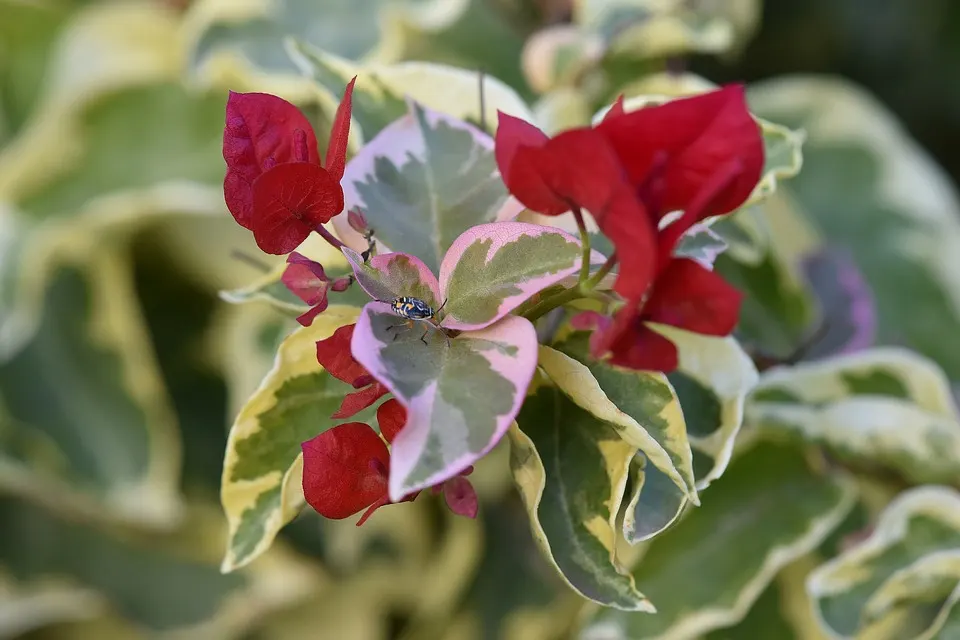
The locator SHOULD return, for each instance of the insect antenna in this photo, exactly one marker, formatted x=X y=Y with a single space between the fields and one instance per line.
x=437 y=312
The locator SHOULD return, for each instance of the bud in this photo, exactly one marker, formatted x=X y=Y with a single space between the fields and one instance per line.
x=342 y=284
x=358 y=222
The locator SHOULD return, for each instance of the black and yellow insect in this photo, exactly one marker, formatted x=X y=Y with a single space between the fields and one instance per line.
x=412 y=308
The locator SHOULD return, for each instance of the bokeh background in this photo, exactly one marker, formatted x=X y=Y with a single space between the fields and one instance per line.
x=121 y=366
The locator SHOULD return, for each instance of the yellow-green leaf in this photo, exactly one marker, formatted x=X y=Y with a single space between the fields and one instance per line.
x=641 y=406
x=381 y=90
x=571 y=469
x=262 y=470
x=712 y=381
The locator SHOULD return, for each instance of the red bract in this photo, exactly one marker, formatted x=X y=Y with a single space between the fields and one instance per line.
x=685 y=142
x=578 y=169
x=275 y=185
x=701 y=155
x=334 y=355
x=686 y=295
x=346 y=468
x=307 y=280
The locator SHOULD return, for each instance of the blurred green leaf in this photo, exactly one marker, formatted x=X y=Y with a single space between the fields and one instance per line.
x=27 y=32
x=867 y=186
x=87 y=422
x=161 y=591
x=884 y=407
x=768 y=497
x=902 y=581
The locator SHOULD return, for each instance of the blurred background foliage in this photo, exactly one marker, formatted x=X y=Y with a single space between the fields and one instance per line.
x=121 y=368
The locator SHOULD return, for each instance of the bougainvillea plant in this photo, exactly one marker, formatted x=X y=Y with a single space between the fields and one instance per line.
x=457 y=349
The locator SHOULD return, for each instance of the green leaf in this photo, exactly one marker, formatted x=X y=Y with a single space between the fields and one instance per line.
x=165 y=120
x=777 y=310
x=261 y=489
x=701 y=243
x=712 y=381
x=571 y=470
x=27 y=31
x=770 y=498
x=884 y=371
x=515 y=594
x=655 y=503
x=158 y=584
x=886 y=407
x=764 y=620
x=869 y=187
x=84 y=418
x=381 y=91
x=29 y=606
x=641 y=406
x=899 y=582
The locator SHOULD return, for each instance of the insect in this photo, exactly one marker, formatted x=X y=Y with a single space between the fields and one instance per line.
x=412 y=308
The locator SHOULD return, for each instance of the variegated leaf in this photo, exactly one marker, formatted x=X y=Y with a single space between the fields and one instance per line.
x=85 y=424
x=655 y=502
x=769 y=498
x=381 y=89
x=712 y=381
x=887 y=371
x=886 y=407
x=461 y=394
x=228 y=39
x=571 y=469
x=159 y=586
x=648 y=29
x=493 y=268
x=394 y=275
x=902 y=581
x=423 y=181
x=641 y=406
x=261 y=489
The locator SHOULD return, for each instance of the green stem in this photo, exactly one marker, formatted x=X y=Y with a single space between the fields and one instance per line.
x=585 y=242
x=598 y=277
x=579 y=291
x=547 y=305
